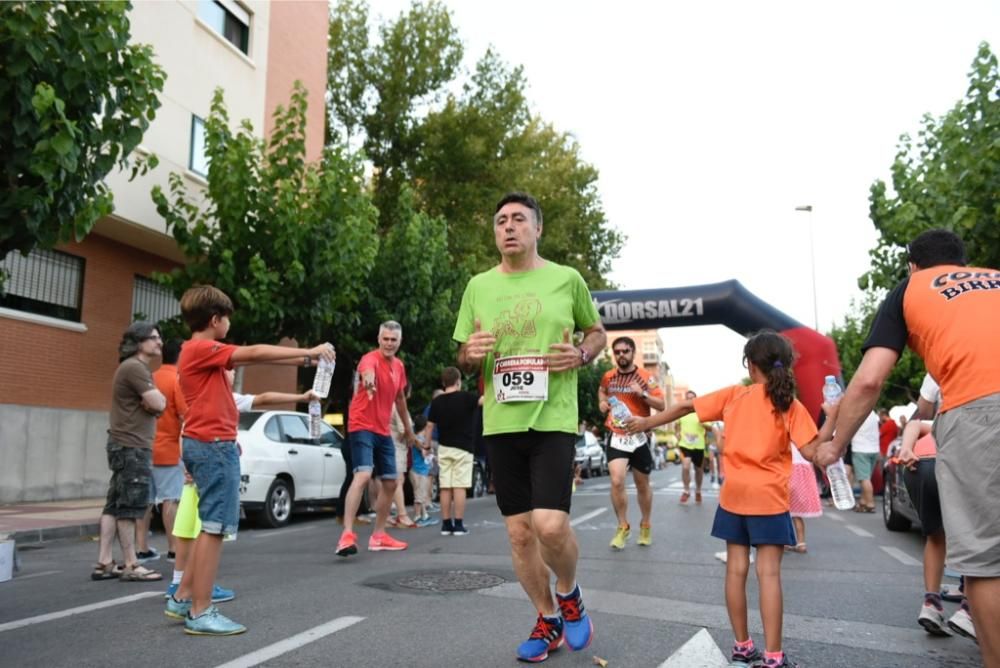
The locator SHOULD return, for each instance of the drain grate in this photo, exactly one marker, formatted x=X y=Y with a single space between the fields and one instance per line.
x=447 y=581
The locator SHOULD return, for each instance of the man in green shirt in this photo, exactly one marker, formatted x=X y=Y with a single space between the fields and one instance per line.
x=515 y=326
x=691 y=437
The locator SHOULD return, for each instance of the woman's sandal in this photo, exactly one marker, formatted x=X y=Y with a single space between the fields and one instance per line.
x=406 y=523
x=800 y=548
x=110 y=571
x=139 y=574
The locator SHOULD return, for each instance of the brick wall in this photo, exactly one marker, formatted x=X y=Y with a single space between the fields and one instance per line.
x=42 y=365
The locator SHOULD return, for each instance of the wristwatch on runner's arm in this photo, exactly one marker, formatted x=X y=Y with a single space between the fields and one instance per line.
x=584 y=356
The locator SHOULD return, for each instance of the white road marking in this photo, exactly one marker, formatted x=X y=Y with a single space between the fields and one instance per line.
x=900 y=556
x=698 y=652
x=858 y=635
x=858 y=531
x=293 y=643
x=583 y=518
x=28 y=621
x=35 y=575
x=280 y=532
x=834 y=516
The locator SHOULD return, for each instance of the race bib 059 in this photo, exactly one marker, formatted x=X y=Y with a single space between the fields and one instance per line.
x=521 y=378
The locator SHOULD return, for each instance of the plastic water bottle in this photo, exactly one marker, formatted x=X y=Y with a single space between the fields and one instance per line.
x=831 y=390
x=620 y=413
x=324 y=375
x=315 y=417
x=840 y=486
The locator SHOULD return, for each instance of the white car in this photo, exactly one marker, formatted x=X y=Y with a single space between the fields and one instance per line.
x=590 y=456
x=282 y=468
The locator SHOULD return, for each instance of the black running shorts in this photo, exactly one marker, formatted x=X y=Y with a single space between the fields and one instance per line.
x=640 y=459
x=532 y=470
x=696 y=456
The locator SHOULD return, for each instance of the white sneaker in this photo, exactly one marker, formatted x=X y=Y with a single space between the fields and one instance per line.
x=722 y=556
x=961 y=623
x=932 y=619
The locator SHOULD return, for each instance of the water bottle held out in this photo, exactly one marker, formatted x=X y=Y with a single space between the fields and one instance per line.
x=324 y=375
x=840 y=485
x=620 y=413
x=831 y=390
x=315 y=417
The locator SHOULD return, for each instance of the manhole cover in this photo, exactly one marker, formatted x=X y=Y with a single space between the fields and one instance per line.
x=445 y=581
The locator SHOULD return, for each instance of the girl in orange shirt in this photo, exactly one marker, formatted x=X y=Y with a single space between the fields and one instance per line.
x=762 y=421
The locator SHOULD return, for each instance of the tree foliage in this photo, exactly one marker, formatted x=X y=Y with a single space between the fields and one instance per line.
x=291 y=243
x=75 y=100
x=949 y=177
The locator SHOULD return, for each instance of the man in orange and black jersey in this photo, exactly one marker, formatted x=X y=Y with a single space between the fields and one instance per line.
x=949 y=314
x=639 y=390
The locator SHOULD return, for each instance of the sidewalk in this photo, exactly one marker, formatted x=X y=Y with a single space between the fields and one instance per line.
x=34 y=522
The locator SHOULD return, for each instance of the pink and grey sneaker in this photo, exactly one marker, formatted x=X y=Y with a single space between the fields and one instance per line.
x=748 y=656
x=545 y=637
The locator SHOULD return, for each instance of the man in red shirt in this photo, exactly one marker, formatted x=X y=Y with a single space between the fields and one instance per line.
x=887 y=431
x=382 y=383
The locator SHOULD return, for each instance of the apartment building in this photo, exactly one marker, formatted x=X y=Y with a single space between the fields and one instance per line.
x=65 y=309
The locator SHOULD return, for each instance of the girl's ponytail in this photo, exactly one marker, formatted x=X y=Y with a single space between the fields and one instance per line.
x=773 y=355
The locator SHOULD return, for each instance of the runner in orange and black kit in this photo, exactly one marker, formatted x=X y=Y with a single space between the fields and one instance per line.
x=949 y=314
x=639 y=390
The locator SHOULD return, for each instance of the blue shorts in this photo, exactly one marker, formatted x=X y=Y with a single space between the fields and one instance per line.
x=753 y=529
x=371 y=451
x=215 y=468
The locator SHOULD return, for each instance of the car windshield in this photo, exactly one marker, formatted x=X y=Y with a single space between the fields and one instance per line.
x=247 y=420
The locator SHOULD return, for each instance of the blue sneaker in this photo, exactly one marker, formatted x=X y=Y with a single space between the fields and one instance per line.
x=177 y=609
x=579 y=628
x=545 y=637
x=211 y=623
x=219 y=594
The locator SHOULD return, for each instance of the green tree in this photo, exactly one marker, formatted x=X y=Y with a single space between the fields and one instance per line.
x=75 y=100
x=949 y=177
x=291 y=243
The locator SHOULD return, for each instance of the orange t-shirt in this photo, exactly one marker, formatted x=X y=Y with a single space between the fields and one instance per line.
x=212 y=414
x=757 y=456
x=167 y=443
x=619 y=384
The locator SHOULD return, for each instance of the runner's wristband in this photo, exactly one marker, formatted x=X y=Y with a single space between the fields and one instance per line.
x=584 y=357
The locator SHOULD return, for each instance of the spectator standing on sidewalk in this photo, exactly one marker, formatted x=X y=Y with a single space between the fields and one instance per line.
x=135 y=405
x=453 y=414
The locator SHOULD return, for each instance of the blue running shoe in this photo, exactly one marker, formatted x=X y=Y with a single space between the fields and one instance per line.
x=545 y=637
x=579 y=628
x=177 y=609
x=221 y=594
x=211 y=623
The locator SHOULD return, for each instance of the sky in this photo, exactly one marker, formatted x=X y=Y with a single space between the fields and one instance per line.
x=710 y=122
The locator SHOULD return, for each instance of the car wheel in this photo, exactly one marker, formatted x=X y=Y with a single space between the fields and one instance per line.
x=585 y=470
x=597 y=468
x=893 y=520
x=278 y=504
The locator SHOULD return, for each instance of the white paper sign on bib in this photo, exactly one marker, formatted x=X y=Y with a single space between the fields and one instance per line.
x=628 y=442
x=521 y=378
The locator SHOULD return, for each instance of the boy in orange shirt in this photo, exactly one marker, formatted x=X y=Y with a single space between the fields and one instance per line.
x=209 y=446
x=761 y=419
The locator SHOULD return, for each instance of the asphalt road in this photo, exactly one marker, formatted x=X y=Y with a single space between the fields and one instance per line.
x=852 y=600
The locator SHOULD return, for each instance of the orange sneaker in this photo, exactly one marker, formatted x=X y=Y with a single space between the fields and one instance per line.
x=348 y=544
x=384 y=542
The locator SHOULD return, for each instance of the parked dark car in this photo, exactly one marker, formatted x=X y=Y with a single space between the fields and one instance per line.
x=898 y=510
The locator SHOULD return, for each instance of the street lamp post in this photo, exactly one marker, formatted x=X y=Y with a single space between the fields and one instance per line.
x=812 y=262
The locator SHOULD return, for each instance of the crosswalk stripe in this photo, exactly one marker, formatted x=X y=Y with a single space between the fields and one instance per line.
x=698 y=652
x=899 y=555
x=858 y=531
x=290 y=644
x=589 y=516
x=69 y=612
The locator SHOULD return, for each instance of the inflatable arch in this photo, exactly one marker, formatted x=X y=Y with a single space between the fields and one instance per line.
x=730 y=304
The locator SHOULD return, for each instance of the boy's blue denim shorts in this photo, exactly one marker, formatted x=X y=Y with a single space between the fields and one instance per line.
x=753 y=529
x=371 y=451
x=215 y=468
